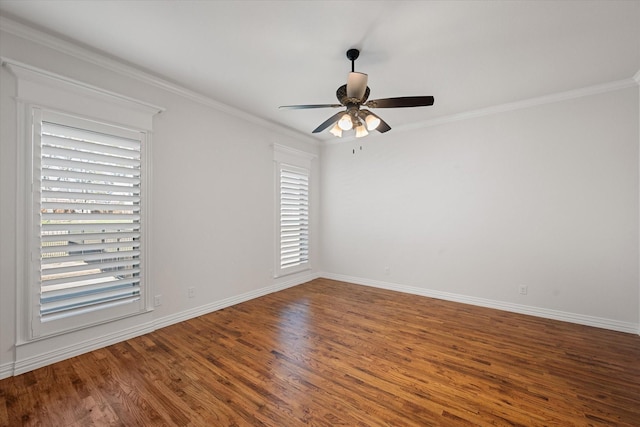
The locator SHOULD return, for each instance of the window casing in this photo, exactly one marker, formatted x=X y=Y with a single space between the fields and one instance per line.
x=293 y=190
x=48 y=107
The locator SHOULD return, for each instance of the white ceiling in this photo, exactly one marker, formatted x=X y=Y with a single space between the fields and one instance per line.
x=257 y=55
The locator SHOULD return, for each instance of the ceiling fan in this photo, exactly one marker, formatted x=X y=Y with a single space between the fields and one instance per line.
x=353 y=96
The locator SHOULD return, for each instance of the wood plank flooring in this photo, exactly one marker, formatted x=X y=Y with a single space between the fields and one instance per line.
x=329 y=353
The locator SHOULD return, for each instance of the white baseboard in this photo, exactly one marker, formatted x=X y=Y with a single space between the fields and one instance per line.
x=580 y=319
x=228 y=302
x=35 y=362
x=57 y=355
x=6 y=370
x=30 y=363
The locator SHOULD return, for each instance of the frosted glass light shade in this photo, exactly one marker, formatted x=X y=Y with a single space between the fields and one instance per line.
x=361 y=131
x=345 y=122
x=372 y=122
x=356 y=85
x=335 y=130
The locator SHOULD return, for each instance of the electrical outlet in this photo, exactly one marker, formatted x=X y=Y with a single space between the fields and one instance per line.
x=157 y=300
x=191 y=292
x=523 y=289
x=387 y=271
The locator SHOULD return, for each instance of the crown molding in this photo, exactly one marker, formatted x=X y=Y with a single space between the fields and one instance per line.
x=88 y=55
x=527 y=103
x=512 y=106
x=45 y=39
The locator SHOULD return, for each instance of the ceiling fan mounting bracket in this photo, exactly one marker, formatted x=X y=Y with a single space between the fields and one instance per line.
x=352 y=55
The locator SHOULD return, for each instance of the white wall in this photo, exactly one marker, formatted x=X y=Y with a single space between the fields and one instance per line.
x=212 y=211
x=545 y=196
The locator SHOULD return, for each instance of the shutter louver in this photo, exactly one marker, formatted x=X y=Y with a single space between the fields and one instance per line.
x=294 y=218
x=90 y=220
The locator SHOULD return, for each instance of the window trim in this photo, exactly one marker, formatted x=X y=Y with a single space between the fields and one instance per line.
x=66 y=322
x=37 y=88
x=295 y=160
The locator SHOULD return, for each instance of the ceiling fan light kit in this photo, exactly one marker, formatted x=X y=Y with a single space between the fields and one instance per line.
x=353 y=96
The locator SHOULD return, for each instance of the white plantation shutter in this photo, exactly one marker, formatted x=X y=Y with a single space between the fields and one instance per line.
x=90 y=222
x=294 y=217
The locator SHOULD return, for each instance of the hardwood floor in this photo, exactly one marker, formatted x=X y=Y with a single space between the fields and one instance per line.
x=330 y=353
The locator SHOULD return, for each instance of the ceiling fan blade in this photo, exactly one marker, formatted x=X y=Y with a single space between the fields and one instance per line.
x=383 y=126
x=304 y=107
x=331 y=120
x=401 y=102
x=356 y=85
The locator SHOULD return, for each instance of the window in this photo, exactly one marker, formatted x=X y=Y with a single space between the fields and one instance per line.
x=294 y=217
x=89 y=180
x=293 y=191
x=83 y=199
